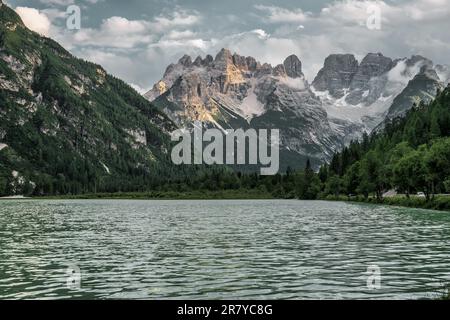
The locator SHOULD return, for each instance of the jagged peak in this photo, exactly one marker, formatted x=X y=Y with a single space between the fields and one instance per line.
x=376 y=57
x=279 y=71
x=223 y=55
x=198 y=61
x=339 y=57
x=209 y=58
x=293 y=66
x=375 y=54
x=185 y=60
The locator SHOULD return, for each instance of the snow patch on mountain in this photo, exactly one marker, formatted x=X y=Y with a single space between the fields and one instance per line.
x=251 y=107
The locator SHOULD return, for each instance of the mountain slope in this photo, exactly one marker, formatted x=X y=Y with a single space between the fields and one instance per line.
x=410 y=154
x=376 y=89
x=422 y=88
x=68 y=126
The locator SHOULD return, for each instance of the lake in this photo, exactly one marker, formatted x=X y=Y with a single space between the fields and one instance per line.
x=230 y=249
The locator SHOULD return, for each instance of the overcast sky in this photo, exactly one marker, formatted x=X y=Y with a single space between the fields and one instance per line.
x=136 y=39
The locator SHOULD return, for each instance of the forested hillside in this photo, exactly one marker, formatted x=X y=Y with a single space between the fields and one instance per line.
x=66 y=126
x=412 y=154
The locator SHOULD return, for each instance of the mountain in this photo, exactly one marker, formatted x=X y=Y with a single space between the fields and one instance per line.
x=346 y=98
x=408 y=155
x=422 y=88
x=232 y=91
x=66 y=126
x=376 y=89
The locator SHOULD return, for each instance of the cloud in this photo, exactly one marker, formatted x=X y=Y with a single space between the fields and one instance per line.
x=116 y=32
x=412 y=27
x=138 y=48
x=282 y=15
x=35 y=20
x=120 y=32
x=175 y=19
x=340 y=27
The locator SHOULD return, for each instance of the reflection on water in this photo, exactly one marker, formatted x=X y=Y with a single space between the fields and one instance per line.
x=253 y=249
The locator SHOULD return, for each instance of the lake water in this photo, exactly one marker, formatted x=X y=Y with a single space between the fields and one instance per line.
x=233 y=249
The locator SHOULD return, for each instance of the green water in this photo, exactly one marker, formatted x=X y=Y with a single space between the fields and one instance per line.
x=233 y=249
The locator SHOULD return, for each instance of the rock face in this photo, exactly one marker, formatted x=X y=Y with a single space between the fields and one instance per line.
x=293 y=67
x=376 y=88
x=366 y=82
x=373 y=65
x=234 y=91
x=422 y=87
x=345 y=99
x=337 y=74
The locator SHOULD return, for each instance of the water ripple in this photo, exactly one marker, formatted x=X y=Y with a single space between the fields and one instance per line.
x=219 y=250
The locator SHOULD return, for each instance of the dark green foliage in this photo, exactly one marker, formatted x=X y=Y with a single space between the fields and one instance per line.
x=71 y=128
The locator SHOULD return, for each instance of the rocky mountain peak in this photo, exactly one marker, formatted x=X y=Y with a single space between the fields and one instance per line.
x=208 y=59
x=279 y=71
x=185 y=61
x=373 y=65
x=337 y=74
x=252 y=64
x=223 y=59
x=293 y=66
x=240 y=61
x=198 y=61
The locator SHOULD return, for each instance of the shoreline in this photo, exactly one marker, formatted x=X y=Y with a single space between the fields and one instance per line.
x=158 y=195
x=439 y=203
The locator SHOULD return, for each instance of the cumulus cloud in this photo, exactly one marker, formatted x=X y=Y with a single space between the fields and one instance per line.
x=176 y=19
x=115 y=32
x=138 y=48
x=35 y=20
x=120 y=32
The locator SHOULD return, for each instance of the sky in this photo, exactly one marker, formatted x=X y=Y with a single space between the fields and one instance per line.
x=135 y=40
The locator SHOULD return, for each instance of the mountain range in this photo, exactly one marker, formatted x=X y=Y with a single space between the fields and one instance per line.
x=346 y=99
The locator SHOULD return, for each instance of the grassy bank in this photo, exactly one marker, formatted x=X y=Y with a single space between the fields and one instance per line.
x=437 y=203
x=173 y=195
